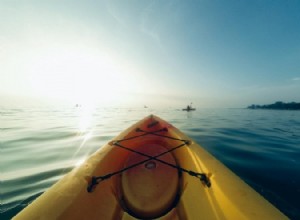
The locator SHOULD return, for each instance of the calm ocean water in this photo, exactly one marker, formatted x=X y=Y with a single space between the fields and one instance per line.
x=38 y=146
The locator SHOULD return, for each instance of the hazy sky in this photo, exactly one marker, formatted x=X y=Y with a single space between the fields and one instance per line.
x=214 y=53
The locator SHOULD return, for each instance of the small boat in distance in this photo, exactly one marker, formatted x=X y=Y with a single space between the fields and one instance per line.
x=189 y=108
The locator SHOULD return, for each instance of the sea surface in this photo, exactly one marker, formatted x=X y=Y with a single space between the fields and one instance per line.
x=39 y=145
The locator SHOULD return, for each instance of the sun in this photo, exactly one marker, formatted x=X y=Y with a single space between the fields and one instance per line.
x=80 y=77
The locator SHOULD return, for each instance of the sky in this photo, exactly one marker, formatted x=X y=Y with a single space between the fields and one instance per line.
x=156 y=53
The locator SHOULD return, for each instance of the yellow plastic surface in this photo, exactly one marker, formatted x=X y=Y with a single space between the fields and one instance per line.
x=150 y=189
x=124 y=195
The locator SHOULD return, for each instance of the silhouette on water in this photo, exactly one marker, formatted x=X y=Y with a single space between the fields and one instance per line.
x=278 y=106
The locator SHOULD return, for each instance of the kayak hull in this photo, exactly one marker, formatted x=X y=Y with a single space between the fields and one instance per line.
x=154 y=188
x=191 y=109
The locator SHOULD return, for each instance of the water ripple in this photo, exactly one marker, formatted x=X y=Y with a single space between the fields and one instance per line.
x=39 y=146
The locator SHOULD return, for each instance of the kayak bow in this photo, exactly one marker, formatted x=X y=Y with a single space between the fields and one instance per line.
x=151 y=170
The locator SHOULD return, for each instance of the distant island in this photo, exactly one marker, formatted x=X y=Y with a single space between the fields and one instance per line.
x=277 y=106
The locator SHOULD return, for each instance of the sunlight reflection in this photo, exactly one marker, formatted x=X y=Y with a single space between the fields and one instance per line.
x=80 y=162
x=85 y=123
x=85 y=118
x=87 y=136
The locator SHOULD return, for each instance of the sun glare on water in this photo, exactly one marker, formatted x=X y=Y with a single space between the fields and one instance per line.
x=85 y=129
x=85 y=118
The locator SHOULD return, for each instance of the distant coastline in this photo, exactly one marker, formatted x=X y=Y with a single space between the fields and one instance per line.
x=277 y=106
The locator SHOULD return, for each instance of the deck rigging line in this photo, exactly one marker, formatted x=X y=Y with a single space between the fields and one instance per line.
x=202 y=176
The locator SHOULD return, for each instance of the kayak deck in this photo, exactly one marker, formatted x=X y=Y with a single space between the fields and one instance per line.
x=151 y=170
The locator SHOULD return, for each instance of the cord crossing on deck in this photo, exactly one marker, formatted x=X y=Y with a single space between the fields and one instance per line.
x=97 y=179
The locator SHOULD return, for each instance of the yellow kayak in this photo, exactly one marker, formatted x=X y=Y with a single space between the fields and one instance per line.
x=151 y=171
